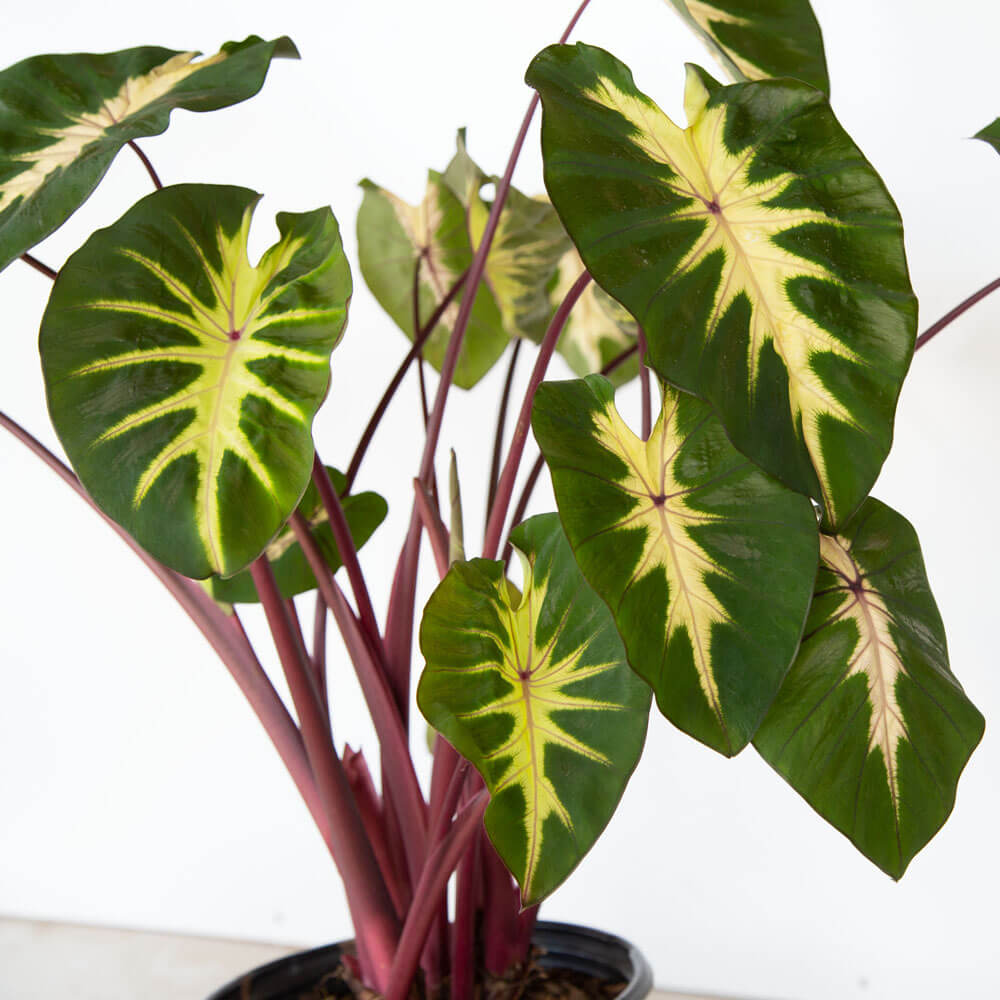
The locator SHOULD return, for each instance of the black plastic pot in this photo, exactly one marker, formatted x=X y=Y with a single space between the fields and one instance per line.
x=565 y=946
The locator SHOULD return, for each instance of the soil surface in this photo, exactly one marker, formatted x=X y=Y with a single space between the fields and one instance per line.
x=526 y=982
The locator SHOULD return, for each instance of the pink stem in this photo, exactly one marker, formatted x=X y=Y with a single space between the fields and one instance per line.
x=397 y=762
x=948 y=317
x=431 y=520
x=426 y=897
x=348 y=553
x=376 y=926
x=506 y=485
x=647 y=405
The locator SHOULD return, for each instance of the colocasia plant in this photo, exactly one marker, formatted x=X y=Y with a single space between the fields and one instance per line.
x=724 y=559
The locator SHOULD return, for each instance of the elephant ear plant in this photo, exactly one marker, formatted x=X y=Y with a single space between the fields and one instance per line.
x=726 y=560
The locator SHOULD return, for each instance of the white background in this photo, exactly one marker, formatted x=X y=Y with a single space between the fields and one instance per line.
x=136 y=788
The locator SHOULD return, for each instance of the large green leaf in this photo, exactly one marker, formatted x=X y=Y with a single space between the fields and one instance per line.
x=754 y=39
x=397 y=240
x=706 y=563
x=870 y=727
x=534 y=690
x=182 y=380
x=63 y=119
x=757 y=248
x=292 y=572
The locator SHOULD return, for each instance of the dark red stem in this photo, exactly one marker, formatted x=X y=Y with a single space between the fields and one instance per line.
x=948 y=317
x=373 y=915
x=348 y=553
x=319 y=650
x=396 y=760
x=506 y=485
x=501 y=426
x=39 y=266
x=647 y=402
x=430 y=518
x=426 y=897
x=225 y=635
x=153 y=176
x=376 y=418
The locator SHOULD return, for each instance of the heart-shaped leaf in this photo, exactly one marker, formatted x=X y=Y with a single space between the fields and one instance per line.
x=870 y=726
x=706 y=563
x=534 y=690
x=757 y=248
x=754 y=39
x=424 y=249
x=65 y=117
x=292 y=572
x=182 y=380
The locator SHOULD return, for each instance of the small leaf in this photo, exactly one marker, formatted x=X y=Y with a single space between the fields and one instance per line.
x=754 y=39
x=706 y=563
x=870 y=726
x=398 y=241
x=534 y=690
x=292 y=572
x=65 y=117
x=759 y=251
x=182 y=380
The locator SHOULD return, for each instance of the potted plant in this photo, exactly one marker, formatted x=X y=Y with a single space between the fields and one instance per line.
x=726 y=559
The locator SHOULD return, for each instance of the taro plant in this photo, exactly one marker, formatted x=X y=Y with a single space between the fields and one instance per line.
x=725 y=559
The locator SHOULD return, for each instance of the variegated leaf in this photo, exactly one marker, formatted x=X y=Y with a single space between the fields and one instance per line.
x=292 y=572
x=757 y=248
x=65 y=117
x=870 y=726
x=706 y=563
x=534 y=690
x=425 y=248
x=754 y=39
x=182 y=379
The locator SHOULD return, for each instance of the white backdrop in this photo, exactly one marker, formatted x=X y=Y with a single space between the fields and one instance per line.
x=135 y=786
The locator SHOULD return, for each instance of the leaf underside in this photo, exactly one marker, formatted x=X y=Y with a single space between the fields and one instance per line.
x=758 y=249
x=65 y=117
x=182 y=380
x=870 y=726
x=706 y=563
x=534 y=690
x=292 y=572
x=755 y=39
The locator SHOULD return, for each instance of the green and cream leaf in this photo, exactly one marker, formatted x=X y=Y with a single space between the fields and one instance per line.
x=292 y=572
x=757 y=248
x=403 y=247
x=535 y=691
x=756 y=39
x=870 y=726
x=182 y=379
x=706 y=563
x=65 y=117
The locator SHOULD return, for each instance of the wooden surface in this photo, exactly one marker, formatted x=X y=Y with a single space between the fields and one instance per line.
x=41 y=960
